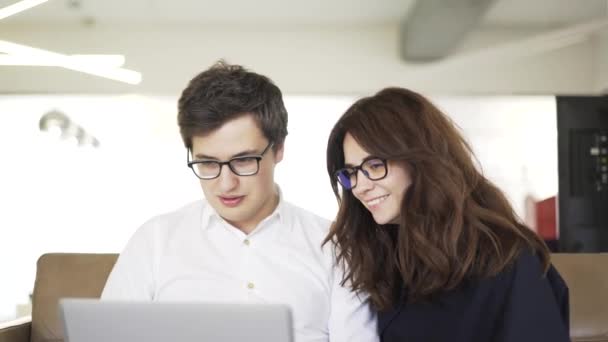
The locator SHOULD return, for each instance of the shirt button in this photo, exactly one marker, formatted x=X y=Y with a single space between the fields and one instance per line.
x=250 y=285
x=247 y=242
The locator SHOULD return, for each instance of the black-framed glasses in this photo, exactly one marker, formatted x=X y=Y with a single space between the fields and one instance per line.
x=247 y=165
x=373 y=168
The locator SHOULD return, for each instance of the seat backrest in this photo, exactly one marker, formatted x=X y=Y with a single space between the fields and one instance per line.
x=587 y=279
x=84 y=275
x=61 y=275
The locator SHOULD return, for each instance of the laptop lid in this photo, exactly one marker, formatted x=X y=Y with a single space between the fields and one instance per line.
x=90 y=320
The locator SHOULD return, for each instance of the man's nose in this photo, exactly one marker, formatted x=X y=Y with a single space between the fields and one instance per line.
x=227 y=179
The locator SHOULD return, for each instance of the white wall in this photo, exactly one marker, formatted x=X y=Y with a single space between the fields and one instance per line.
x=56 y=197
x=601 y=62
x=301 y=59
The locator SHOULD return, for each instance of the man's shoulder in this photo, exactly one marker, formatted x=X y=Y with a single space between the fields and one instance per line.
x=165 y=222
x=307 y=224
x=310 y=229
x=303 y=216
x=193 y=208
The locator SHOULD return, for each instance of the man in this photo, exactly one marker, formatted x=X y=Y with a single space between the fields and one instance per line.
x=244 y=242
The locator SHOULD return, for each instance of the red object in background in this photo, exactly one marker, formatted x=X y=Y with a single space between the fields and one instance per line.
x=546 y=218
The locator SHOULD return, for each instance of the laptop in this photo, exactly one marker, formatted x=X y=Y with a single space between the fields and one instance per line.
x=91 y=320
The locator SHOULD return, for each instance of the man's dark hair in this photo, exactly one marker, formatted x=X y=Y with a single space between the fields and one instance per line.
x=225 y=92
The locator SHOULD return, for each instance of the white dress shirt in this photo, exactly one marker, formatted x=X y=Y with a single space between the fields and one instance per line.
x=193 y=254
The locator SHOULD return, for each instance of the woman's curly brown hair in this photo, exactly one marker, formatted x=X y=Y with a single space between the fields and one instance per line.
x=455 y=225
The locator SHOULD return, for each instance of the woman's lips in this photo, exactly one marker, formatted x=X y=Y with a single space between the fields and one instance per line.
x=375 y=203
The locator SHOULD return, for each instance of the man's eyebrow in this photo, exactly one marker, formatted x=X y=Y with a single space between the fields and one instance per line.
x=250 y=152
x=200 y=156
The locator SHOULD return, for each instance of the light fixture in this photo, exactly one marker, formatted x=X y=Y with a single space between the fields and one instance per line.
x=19 y=7
x=59 y=125
x=111 y=61
x=107 y=66
x=68 y=62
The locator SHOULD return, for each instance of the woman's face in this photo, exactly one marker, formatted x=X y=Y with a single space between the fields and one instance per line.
x=381 y=197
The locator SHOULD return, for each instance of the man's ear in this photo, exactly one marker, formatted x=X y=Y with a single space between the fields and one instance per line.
x=278 y=153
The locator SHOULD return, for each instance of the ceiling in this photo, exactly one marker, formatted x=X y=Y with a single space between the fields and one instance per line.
x=352 y=46
x=508 y=13
x=513 y=13
x=205 y=12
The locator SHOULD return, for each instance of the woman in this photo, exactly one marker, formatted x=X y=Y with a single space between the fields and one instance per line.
x=436 y=246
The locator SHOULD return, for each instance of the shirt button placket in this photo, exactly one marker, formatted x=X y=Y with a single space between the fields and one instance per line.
x=249 y=273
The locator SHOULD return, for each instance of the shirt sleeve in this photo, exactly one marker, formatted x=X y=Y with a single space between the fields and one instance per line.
x=532 y=311
x=351 y=318
x=133 y=275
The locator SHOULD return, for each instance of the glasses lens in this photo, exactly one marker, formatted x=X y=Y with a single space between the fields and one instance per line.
x=345 y=179
x=245 y=166
x=207 y=169
x=374 y=169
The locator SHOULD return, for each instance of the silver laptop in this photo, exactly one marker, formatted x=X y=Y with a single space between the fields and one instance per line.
x=88 y=320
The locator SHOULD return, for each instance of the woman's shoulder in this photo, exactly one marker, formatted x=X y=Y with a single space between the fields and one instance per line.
x=527 y=276
x=526 y=268
x=526 y=265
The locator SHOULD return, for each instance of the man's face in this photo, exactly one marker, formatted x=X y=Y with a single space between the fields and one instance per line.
x=243 y=201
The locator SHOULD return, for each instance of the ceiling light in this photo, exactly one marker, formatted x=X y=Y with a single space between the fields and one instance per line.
x=110 y=61
x=19 y=7
x=68 y=62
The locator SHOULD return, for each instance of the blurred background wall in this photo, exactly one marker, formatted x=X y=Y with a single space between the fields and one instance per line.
x=493 y=66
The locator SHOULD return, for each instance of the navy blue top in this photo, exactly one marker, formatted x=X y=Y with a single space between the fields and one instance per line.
x=517 y=305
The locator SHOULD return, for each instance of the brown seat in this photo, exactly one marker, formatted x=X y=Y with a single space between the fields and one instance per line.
x=587 y=279
x=57 y=276
x=84 y=275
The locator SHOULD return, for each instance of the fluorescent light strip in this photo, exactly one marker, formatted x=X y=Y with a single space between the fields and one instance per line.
x=65 y=61
x=108 y=61
x=114 y=61
x=19 y=7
